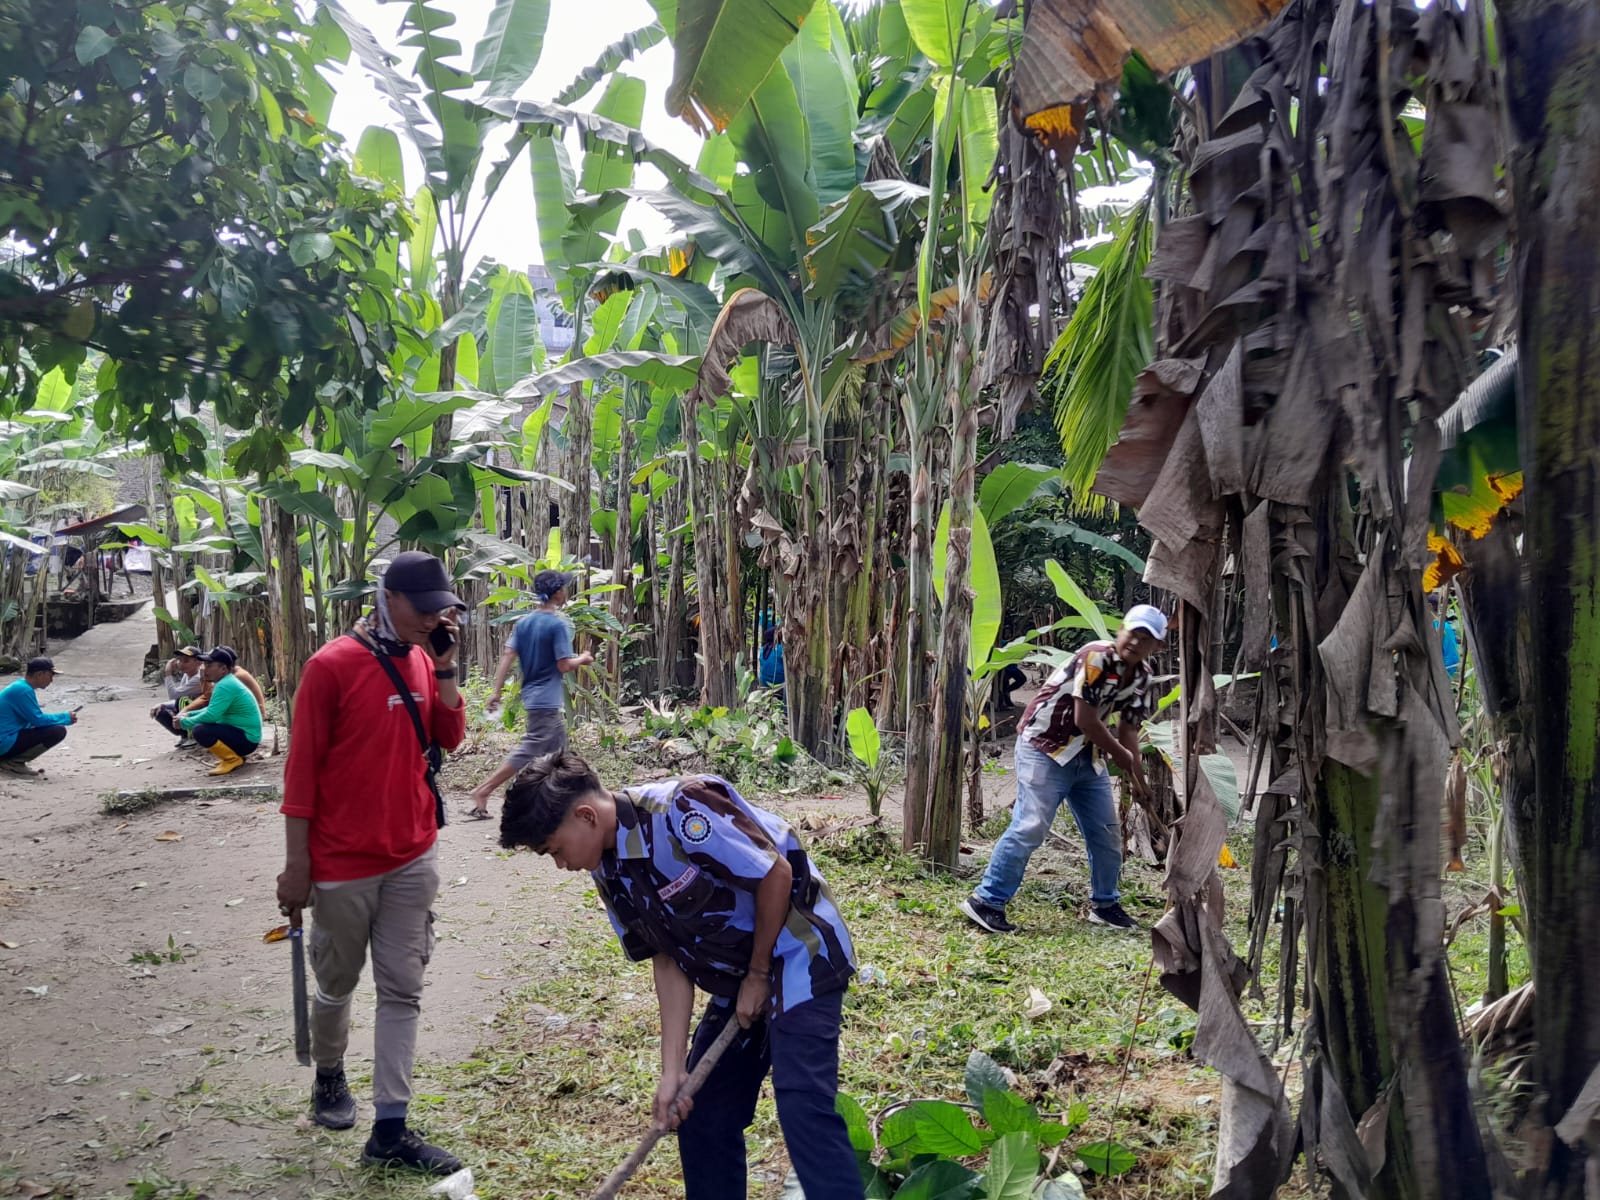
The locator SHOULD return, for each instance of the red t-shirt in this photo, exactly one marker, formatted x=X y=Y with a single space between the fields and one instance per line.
x=355 y=770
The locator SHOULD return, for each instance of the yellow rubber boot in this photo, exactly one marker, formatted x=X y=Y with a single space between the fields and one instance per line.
x=227 y=760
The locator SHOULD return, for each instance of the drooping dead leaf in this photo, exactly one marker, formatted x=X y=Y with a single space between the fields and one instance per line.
x=169 y=835
x=1447 y=563
x=1071 y=48
x=1456 y=807
x=748 y=316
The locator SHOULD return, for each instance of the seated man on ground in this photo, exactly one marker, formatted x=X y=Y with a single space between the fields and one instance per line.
x=26 y=730
x=719 y=895
x=186 y=685
x=230 y=725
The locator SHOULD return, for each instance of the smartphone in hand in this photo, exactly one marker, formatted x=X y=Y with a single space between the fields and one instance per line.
x=441 y=639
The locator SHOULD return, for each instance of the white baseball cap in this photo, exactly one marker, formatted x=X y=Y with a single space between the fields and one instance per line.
x=1148 y=618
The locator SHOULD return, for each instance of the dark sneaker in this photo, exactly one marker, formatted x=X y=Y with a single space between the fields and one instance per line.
x=986 y=916
x=332 y=1105
x=409 y=1152
x=1111 y=916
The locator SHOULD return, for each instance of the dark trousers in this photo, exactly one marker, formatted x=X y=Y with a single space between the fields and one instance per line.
x=231 y=736
x=167 y=718
x=31 y=743
x=801 y=1048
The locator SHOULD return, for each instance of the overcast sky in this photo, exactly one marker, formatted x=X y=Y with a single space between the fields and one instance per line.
x=579 y=30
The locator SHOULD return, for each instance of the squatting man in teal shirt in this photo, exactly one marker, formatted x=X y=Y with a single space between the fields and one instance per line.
x=26 y=730
x=719 y=895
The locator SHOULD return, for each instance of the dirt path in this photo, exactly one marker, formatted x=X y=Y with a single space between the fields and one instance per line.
x=114 y=1070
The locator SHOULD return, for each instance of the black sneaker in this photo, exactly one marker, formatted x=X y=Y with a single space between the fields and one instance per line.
x=332 y=1105
x=1111 y=916
x=410 y=1153
x=986 y=916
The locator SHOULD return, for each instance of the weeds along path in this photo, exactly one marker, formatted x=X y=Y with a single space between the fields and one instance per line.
x=147 y=1026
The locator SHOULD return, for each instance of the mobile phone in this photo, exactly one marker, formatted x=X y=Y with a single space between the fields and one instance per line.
x=441 y=639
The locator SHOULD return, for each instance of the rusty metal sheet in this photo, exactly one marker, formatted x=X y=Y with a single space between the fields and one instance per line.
x=1072 y=47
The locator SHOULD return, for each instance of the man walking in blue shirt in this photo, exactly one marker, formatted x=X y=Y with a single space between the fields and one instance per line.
x=26 y=730
x=541 y=645
x=719 y=895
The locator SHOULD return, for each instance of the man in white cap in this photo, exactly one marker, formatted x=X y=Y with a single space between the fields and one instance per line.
x=1063 y=746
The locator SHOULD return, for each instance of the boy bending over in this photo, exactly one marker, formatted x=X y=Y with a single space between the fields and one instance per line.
x=719 y=895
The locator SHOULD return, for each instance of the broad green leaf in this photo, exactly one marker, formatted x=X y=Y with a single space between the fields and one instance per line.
x=1073 y=532
x=533 y=430
x=424 y=229
x=1107 y=1158
x=941 y=1179
x=606 y=323
x=983 y=1075
x=865 y=742
x=514 y=342
x=827 y=97
x=1013 y=1167
x=935 y=26
x=54 y=393
x=554 y=184
x=983 y=577
x=646 y=365
x=93 y=44
x=11 y=490
x=148 y=534
x=310 y=246
x=1007 y=1112
x=774 y=141
x=945 y=1128
x=857 y=234
x=946 y=118
x=856 y=1122
x=1073 y=595
x=378 y=157
x=1009 y=486
x=511 y=44
x=627 y=47
x=980 y=143
x=724 y=49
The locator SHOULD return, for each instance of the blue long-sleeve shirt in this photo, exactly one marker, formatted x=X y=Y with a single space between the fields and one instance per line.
x=19 y=710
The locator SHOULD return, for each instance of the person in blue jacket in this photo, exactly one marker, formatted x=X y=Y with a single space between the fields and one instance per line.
x=26 y=730
x=770 y=669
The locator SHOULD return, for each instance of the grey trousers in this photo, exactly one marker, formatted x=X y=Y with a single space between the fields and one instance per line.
x=546 y=734
x=393 y=914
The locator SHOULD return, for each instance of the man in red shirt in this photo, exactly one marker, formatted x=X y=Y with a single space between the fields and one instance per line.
x=361 y=826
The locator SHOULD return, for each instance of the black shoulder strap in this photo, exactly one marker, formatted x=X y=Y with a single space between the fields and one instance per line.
x=406 y=697
x=430 y=753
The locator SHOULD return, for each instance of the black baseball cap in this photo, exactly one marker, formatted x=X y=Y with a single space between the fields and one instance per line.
x=35 y=665
x=423 y=580
x=223 y=655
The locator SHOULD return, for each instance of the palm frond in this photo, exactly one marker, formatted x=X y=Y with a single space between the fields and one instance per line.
x=1090 y=371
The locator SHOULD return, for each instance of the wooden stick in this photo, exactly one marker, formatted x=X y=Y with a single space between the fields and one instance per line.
x=613 y=1184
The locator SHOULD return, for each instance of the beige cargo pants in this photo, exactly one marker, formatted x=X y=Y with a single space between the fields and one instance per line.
x=391 y=913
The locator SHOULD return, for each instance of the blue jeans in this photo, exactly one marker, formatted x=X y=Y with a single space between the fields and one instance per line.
x=1042 y=784
x=801 y=1049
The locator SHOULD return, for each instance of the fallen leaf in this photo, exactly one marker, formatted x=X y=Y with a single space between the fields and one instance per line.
x=281 y=933
x=237 y=900
x=459 y=882
x=168 y=1028
x=138 y=885
x=29 y=1189
x=5 y=945
x=1038 y=1004
x=42 y=990
x=169 y=835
